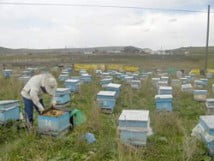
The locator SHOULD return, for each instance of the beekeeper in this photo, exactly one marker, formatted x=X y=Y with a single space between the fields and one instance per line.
x=33 y=91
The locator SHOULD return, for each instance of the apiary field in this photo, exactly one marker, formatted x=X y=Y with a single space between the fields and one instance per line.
x=171 y=141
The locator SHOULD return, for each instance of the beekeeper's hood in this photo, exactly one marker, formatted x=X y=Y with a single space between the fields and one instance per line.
x=50 y=84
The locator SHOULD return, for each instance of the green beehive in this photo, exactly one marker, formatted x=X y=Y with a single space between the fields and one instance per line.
x=77 y=117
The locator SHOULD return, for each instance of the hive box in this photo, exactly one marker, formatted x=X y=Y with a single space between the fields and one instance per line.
x=205 y=131
x=134 y=127
x=114 y=87
x=106 y=100
x=164 y=78
x=82 y=71
x=209 y=75
x=9 y=111
x=205 y=80
x=199 y=84
x=128 y=79
x=175 y=82
x=73 y=84
x=136 y=84
x=162 y=83
x=200 y=95
x=63 y=77
x=7 y=73
x=164 y=90
x=53 y=125
x=106 y=81
x=86 y=78
x=24 y=79
x=210 y=105
x=62 y=97
x=163 y=102
x=184 y=81
x=155 y=82
x=186 y=88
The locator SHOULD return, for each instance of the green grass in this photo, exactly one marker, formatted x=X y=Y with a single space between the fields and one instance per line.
x=171 y=141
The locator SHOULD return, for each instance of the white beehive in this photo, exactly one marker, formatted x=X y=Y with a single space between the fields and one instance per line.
x=136 y=84
x=155 y=82
x=134 y=127
x=200 y=95
x=186 y=88
x=175 y=83
x=165 y=90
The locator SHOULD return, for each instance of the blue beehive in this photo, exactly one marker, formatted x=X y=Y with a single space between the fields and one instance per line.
x=128 y=79
x=164 y=102
x=106 y=81
x=63 y=77
x=73 y=84
x=53 y=125
x=106 y=100
x=136 y=84
x=165 y=90
x=210 y=105
x=62 y=97
x=9 y=111
x=114 y=87
x=206 y=131
x=86 y=78
x=200 y=95
x=7 y=73
x=134 y=127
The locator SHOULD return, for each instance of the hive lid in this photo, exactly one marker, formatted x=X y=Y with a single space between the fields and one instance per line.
x=186 y=86
x=113 y=85
x=208 y=120
x=8 y=70
x=164 y=77
x=183 y=78
x=136 y=81
x=200 y=91
x=72 y=80
x=85 y=74
x=62 y=89
x=107 y=93
x=165 y=87
x=134 y=115
x=156 y=79
x=3 y=102
x=210 y=100
x=163 y=96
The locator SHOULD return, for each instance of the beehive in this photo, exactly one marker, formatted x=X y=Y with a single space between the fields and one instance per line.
x=164 y=90
x=9 y=110
x=175 y=82
x=128 y=79
x=199 y=84
x=209 y=75
x=186 y=88
x=136 y=84
x=106 y=100
x=106 y=81
x=52 y=124
x=105 y=74
x=184 y=81
x=210 y=105
x=114 y=87
x=134 y=127
x=63 y=77
x=62 y=97
x=200 y=95
x=164 y=78
x=82 y=71
x=205 y=80
x=162 y=83
x=98 y=72
x=27 y=73
x=86 y=78
x=144 y=75
x=7 y=73
x=163 y=102
x=205 y=132
x=24 y=79
x=155 y=82
x=73 y=84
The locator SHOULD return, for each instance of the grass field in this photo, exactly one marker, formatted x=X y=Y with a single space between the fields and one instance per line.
x=171 y=140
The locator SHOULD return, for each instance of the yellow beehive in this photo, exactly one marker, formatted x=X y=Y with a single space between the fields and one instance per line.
x=77 y=67
x=130 y=68
x=117 y=67
x=195 y=71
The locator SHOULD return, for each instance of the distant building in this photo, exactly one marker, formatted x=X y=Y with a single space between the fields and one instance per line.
x=88 y=52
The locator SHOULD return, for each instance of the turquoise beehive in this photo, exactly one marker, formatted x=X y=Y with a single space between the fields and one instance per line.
x=9 y=111
x=86 y=78
x=62 y=97
x=163 y=102
x=106 y=100
x=165 y=90
x=114 y=87
x=7 y=73
x=73 y=84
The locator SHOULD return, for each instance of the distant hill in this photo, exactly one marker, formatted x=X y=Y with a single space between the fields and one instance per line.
x=191 y=50
x=93 y=50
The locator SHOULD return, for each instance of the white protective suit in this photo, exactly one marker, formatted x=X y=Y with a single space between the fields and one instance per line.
x=33 y=89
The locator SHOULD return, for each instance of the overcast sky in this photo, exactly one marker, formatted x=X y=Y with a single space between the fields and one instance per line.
x=57 y=27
